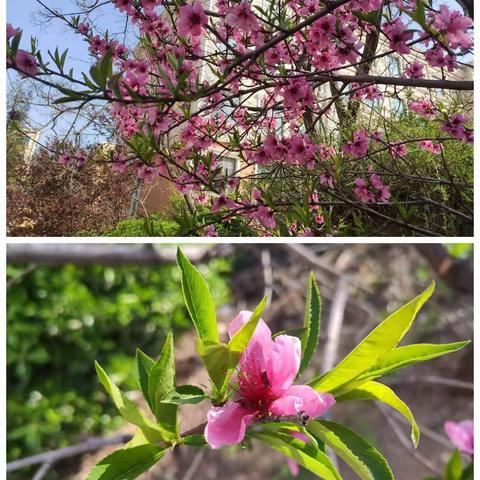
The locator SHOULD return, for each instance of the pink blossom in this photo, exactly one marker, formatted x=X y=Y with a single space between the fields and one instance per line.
x=414 y=70
x=399 y=150
x=65 y=159
x=362 y=192
x=429 y=146
x=264 y=386
x=327 y=180
x=83 y=27
x=424 y=108
x=454 y=25
x=222 y=201
x=11 y=31
x=265 y=216
x=398 y=36
x=191 y=20
x=242 y=17
x=26 y=62
x=296 y=91
x=359 y=146
x=461 y=435
x=210 y=231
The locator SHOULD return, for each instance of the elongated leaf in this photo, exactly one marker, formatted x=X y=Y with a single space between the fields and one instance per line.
x=408 y=355
x=127 y=464
x=161 y=381
x=129 y=410
x=307 y=455
x=144 y=366
x=313 y=312
x=361 y=456
x=239 y=341
x=185 y=394
x=198 y=300
x=374 y=346
x=454 y=467
x=378 y=391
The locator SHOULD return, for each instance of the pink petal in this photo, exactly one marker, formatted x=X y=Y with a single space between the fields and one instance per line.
x=293 y=467
x=260 y=345
x=461 y=435
x=283 y=363
x=302 y=398
x=227 y=425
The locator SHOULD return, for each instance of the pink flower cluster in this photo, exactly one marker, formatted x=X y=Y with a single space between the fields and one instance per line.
x=358 y=147
x=76 y=160
x=372 y=190
x=455 y=126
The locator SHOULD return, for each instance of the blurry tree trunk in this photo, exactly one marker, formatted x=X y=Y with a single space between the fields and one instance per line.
x=456 y=273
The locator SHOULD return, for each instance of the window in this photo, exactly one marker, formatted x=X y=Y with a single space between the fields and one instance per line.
x=229 y=166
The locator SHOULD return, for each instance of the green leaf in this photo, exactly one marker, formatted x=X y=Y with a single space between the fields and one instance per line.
x=419 y=13
x=454 y=467
x=144 y=366
x=313 y=312
x=137 y=440
x=198 y=300
x=185 y=394
x=218 y=360
x=127 y=464
x=408 y=355
x=294 y=332
x=382 y=393
x=305 y=454
x=374 y=346
x=361 y=456
x=129 y=410
x=196 y=440
x=239 y=341
x=161 y=381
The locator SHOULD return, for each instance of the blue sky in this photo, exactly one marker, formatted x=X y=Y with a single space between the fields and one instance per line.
x=25 y=14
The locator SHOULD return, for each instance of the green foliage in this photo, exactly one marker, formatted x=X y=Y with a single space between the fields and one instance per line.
x=362 y=457
x=373 y=348
x=161 y=380
x=127 y=463
x=305 y=454
x=158 y=225
x=377 y=391
x=129 y=410
x=59 y=320
x=313 y=313
x=198 y=300
x=135 y=227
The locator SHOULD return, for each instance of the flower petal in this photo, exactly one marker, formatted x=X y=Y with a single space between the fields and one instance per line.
x=461 y=435
x=283 y=363
x=260 y=344
x=227 y=425
x=302 y=398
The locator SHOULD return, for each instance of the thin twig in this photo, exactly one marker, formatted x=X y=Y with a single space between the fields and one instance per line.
x=405 y=442
x=192 y=469
x=267 y=276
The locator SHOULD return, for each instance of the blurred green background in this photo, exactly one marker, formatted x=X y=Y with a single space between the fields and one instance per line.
x=60 y=319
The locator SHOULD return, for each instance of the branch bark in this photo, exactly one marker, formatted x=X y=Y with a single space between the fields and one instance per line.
x=88 y=254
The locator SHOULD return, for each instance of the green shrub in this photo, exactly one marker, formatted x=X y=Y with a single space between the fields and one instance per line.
x=59 y=320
